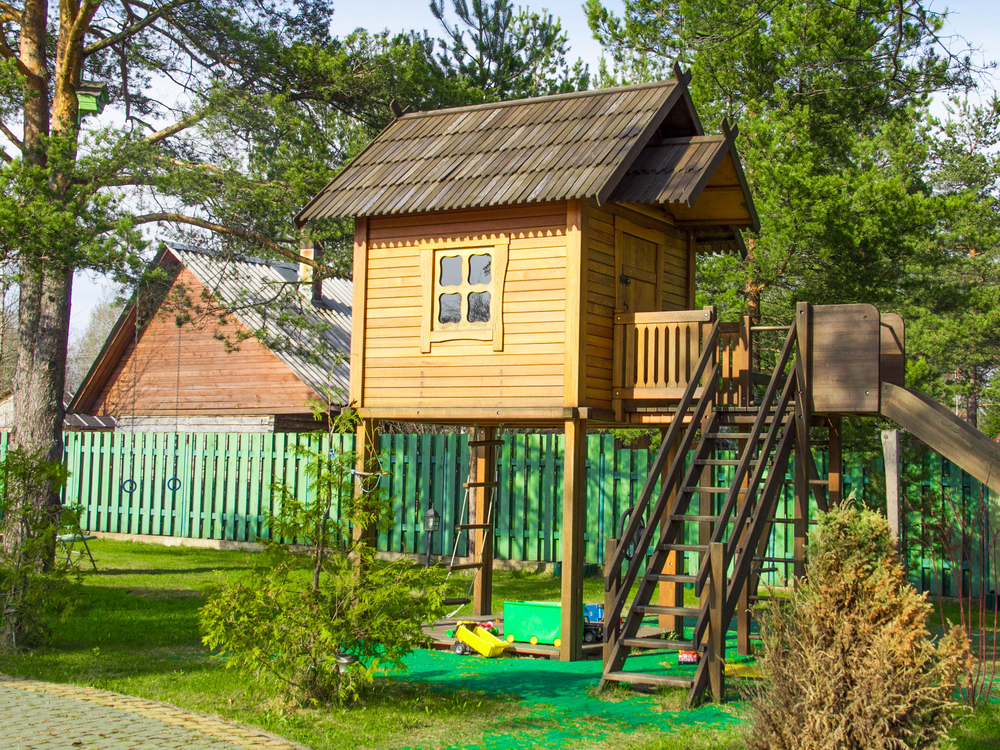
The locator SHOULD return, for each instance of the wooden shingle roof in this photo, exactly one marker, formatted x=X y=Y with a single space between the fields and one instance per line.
x=549 y=148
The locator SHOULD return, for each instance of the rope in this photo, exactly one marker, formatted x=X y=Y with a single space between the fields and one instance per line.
x=129 y=485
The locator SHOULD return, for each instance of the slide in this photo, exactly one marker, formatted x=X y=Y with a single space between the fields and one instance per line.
x=945 y=433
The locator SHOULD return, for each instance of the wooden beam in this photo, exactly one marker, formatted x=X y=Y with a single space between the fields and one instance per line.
x=611 y=629
x=671 y=594
x=573 y=528
x=575 y=367
x=691 y=266
x=716 y=627
x=486 y=466
x=945 y=433
x=890 y=452
x=358 y=310
x=835 y=462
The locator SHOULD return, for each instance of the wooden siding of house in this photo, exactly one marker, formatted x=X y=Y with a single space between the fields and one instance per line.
x=527 y=373
x=676 y=284
x=212 y=380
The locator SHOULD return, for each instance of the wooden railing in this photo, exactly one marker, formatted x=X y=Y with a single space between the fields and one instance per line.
x=655 y=353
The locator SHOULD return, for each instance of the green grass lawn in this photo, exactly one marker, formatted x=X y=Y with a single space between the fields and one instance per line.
x=135 y=631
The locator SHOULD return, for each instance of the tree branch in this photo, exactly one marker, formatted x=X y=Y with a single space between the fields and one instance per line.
x=177 y=127
x=134 y=28
x=243 y=234
x=5 y=156
x=9 y=135
x=9 y=13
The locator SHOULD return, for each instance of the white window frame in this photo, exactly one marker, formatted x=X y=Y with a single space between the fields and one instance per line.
x=432 y=330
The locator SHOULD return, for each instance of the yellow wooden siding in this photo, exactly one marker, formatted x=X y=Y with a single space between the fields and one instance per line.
x=467 y=373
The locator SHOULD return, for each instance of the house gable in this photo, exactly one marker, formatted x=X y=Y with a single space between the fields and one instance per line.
x=187 y=370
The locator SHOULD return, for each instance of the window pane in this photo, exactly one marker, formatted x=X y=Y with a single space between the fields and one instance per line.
x=451 y=270
x=479 y=269
x=450 y=308
x=479 y=307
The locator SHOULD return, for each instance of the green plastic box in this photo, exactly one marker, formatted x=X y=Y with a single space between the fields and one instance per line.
x=527 y=620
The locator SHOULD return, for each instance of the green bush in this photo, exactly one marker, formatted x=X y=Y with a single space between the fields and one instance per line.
x=36 y=590
x=848 y=658
x=320 y=599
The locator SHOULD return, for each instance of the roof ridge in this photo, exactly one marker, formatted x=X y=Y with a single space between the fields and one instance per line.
x=532 y=99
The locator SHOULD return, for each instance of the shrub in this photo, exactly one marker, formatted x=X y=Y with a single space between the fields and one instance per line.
x=318 y=598
x=36 y=590
x=848 y=658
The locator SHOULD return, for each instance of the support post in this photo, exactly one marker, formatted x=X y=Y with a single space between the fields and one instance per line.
x=890 y=451
x=671 y=594
x=573 y=525
x=803 y=419
x=486 y=471
x=743 y=614
x=716 y=627
x=367 y=468
x=612 y=629
x=835 y=462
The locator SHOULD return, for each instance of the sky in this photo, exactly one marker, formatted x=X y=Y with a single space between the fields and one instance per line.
x=976 y=20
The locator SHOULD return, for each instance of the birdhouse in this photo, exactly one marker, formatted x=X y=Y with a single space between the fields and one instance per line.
x=92 y=97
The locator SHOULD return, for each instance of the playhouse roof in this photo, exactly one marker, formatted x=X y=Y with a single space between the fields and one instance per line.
x=247 y=284
x=632 y=143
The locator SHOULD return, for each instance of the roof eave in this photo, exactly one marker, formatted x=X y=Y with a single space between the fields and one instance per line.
x=730 y=134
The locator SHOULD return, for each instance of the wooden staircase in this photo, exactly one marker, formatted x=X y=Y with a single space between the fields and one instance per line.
x=733 y=512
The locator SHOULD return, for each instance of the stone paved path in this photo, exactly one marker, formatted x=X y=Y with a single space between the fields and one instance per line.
x=48 y=716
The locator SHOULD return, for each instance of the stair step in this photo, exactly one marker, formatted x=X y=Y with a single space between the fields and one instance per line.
x=710 y=519
x=710 y=490
x=656 y=609
x=466 y=485
x=661 y=643
x=477 y=443
x=682 y=547
x=638 y=678
x=722 y=462
x=465 y=566
x=733 y=435
x=670 y=578
x=456 y=601
x=473 y=526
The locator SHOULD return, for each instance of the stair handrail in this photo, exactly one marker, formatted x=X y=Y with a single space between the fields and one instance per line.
x=709 y=353
x=752 y=450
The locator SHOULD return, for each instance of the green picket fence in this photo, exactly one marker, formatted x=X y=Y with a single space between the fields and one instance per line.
x=218 y=486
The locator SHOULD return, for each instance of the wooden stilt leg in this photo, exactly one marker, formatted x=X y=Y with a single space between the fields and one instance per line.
x=482 y=591
x=743 y=606
x=836 y=462
x=611 y=629
x=573 y=526
x=716 y=627
x=671 y=594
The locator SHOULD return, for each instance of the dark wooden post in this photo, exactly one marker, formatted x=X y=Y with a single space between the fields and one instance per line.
x=835 y=461
x=671 y=594
x=803 y=417
x=716 y=627
x=573 y=525
x=485 y=450
x=743 y=614
x=612 y=629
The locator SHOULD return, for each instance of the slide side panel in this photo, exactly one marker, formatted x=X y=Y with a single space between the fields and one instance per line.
x=950 y=436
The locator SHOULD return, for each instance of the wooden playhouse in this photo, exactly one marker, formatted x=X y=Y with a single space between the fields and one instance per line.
x=532 y=263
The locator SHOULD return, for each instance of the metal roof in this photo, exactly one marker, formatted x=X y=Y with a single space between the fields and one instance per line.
x=318 y=352
x=674 y=171
x=548 y=148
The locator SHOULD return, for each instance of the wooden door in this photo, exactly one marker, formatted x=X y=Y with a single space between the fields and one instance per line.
x=637 y=279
